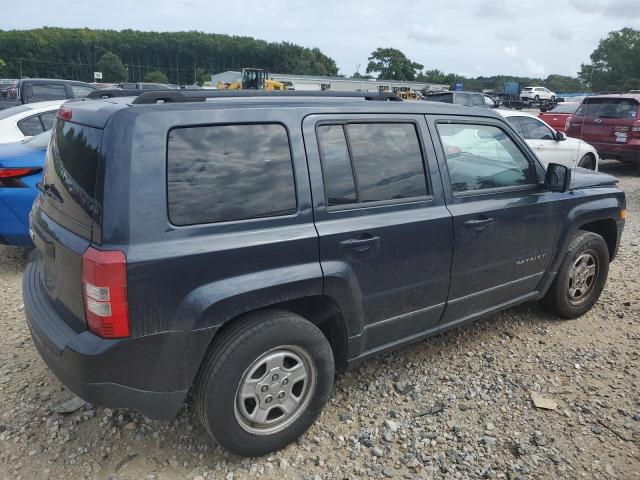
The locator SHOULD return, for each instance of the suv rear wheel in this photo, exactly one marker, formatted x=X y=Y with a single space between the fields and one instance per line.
x=581 y=277
x=264 y=382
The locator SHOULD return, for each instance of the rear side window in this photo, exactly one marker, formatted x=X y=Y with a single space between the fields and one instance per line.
x=30 y=126
x=371 y=162
x=608 y=108
x=46 y=92
x=229 y=172
x=81 y=91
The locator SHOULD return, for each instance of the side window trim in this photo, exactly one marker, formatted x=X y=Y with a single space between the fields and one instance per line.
x=360 y=205
x=517 y=142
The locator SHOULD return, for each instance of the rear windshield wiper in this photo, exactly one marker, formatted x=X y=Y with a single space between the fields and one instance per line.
x=50 y=190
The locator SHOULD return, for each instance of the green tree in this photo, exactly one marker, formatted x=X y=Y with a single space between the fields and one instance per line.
x=615 y=63
x=564 y=84
x=392 y=64
x=112 y=68
x=360 y=76
x=155 y=76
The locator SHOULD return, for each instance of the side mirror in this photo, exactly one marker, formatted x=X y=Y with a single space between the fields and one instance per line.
x=561 y=136
x=558 y=178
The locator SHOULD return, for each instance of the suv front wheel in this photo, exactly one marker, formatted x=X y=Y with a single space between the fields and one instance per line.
x=581 y=277
x=264 y=382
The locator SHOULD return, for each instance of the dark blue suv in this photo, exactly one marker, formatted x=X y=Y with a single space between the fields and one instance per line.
x=245 y=246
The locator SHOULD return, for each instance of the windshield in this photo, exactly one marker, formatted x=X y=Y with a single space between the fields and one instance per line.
x=608 y=108
x=40 y=141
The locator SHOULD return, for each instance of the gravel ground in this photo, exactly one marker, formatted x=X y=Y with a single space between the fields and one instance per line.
x=454 y=406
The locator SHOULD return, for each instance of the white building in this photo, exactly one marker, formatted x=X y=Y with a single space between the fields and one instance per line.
x=338 y=84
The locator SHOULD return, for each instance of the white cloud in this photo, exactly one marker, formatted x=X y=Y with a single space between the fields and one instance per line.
x=508 y=34
x=561 y=33
x=535 y=68
x=609 y=8
x=428 y=34
x=494 y=9
x=511 y=50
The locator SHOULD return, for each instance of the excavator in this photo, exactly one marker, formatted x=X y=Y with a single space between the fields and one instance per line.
x=252 y=79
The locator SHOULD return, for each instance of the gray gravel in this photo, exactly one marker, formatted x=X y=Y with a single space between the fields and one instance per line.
x=454 y=406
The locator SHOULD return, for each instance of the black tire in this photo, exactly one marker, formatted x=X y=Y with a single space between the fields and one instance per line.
x=226 y=365
x=557 y=299
x=587 y=161
x=536 y=98
x=553 y=98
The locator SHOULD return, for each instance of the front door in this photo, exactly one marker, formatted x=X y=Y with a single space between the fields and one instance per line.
x=385 y=233
x=504 y=224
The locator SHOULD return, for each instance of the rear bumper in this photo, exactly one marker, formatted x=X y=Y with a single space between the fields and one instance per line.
x=150 y=374
x=627 y=151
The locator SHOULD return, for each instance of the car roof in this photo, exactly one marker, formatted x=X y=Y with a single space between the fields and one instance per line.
x=630 y=96
x=515 y=113
x=96 y=112
x=54 y=80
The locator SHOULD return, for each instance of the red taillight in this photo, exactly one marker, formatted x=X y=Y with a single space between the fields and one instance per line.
x=10 y=177
x=104 y=286
x=65 y=113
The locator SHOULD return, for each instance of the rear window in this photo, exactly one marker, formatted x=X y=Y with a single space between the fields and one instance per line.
x=229 y=172
x=42 y=92
x=568 y=107
x=73 y=158
x=608 y=108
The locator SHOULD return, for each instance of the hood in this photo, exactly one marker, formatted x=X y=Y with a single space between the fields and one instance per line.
x=584 y=178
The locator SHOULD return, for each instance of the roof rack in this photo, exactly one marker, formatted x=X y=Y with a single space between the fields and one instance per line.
x=114 y=92
x=181 y=96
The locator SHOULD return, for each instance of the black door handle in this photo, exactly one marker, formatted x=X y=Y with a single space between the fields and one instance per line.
x=478 y=223
x=360 y=244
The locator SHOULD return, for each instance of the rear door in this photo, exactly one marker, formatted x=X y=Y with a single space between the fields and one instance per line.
x=65 y=213
x=385 y=233
x=605 y=120
x=504 y=224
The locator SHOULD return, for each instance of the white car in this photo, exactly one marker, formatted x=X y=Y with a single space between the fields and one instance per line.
x=537 y=93
x=549 y=145
x=24 y=121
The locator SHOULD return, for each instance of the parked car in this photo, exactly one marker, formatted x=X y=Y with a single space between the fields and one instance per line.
x=24 y=121
x=558 y=116
x=550 y=145
x=246 y=245
x=537 y=93
x=611 y=123
x=467 y=99
x=21 y=166
x=147 y=86
x=30 y=90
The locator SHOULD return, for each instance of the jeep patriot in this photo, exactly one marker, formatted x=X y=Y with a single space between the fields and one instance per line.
x=246 y=246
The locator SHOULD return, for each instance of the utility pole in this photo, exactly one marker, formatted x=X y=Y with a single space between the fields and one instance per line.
x=177 y=71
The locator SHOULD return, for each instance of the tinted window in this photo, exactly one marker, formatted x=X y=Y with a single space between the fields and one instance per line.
x=48 y=119
x=229 y=172
x=387 y=161
x=515 y=123
x=46 y=92
x=534 y=129
x=336 y=165
x=567 y=107
x=608 y=108
x=30 y=126
x=81 y=91
x=481 y=157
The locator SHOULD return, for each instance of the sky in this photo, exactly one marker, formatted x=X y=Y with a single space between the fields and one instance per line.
x=468 y=37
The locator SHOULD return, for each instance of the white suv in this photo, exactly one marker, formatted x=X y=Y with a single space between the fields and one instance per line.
x=537 y=94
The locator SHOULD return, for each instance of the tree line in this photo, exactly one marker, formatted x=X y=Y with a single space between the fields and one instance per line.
x=190 y=57
x=180 y=57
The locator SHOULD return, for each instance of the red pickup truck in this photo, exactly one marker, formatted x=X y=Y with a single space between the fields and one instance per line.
x=558 y=116
x=611 y=123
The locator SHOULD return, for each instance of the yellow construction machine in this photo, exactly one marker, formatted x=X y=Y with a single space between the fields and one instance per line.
x=252 y=79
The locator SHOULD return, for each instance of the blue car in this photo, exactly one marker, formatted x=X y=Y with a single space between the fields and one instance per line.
x=21 y=165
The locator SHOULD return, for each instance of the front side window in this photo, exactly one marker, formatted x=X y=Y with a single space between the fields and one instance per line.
x=383 y=161
x=481 y=157
x=534 y=129
x=81 y=91
x=229 y=172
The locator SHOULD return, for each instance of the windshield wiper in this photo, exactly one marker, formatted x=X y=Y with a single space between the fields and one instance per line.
x=50 y=190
